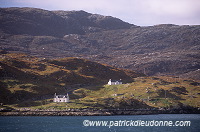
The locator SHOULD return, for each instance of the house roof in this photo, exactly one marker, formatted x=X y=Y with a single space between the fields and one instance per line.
x=116 y=80
x=61 y=96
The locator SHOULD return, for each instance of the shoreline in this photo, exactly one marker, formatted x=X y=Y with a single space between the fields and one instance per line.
x=98 y=112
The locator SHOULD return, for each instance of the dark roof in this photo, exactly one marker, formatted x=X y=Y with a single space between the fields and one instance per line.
x=116 y=80
x=61 y=96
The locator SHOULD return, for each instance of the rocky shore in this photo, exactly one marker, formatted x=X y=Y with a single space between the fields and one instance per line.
x=91 y=112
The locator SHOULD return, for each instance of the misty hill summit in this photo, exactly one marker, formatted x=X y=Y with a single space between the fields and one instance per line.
x=164 y=49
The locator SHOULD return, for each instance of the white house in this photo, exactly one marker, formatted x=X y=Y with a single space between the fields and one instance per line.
x=61 y=98
x=114 y=82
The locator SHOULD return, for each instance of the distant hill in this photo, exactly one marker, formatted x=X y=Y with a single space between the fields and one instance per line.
x=164 y=49
x=38 y=22
x=23 y=77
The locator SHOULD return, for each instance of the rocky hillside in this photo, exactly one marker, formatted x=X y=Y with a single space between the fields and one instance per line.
x=155 y=50
x=23 y=77
x=38 y=22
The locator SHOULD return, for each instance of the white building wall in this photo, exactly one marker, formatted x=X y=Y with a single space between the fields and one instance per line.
x=64 y=99
x=110 y=82
x=67 y=99
x=114 y=83
x=59 y=99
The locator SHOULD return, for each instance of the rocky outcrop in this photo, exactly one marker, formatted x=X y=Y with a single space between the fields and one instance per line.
x=99 y=112
x=55 y=113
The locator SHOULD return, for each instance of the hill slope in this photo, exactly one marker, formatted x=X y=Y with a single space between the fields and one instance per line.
x=29 y=78
x=28 y=81
x=156 y=50
x=144 y=92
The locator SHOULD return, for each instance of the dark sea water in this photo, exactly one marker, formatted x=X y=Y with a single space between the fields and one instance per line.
x=76 y=123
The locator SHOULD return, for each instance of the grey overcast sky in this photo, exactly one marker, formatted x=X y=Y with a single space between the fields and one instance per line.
x=138 y=12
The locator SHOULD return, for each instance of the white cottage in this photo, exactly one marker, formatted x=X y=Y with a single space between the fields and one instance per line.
x=61 y=98
x=114 y=82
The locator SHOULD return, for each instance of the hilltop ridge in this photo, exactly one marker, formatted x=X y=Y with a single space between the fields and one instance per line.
x=163 y=49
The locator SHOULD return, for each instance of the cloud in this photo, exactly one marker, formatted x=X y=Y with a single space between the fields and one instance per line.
x=139 y=12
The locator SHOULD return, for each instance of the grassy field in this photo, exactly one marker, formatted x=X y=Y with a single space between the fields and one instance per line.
x=144 y=92
x=31 y=82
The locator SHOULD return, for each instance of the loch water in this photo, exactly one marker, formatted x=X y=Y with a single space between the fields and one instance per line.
x=76 y=123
